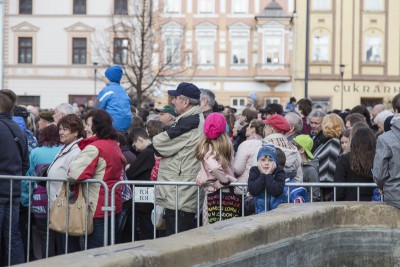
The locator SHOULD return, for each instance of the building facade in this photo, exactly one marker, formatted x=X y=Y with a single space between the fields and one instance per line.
x=362 y=35
x=233 y=47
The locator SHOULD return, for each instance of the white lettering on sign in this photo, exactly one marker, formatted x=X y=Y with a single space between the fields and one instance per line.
x=144 y=194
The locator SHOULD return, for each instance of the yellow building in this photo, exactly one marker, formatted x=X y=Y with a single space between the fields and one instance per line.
x=363 y=35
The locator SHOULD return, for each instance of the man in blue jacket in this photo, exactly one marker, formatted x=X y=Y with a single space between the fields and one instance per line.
x=114 y=99
x=14 y=161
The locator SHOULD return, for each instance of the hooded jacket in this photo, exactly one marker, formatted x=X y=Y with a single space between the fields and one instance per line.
x=293 y=159
x=386 y=168
x=178 y=163
x=114 y=99
x=100 y=159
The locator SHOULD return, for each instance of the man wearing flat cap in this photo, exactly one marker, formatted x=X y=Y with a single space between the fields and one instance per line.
x=176 y=147
x=45 y=119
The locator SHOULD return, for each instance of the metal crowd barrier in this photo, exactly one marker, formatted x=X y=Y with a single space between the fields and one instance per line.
x=143 y=194
x=32 y=179
x=141 y=184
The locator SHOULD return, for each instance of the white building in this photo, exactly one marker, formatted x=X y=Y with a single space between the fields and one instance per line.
x=50 y=49
x=234 y=46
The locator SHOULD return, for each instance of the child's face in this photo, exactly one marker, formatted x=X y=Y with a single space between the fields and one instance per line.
x=344 y=141
x=266 y=163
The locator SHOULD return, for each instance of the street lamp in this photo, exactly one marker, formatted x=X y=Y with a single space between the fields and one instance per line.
x=95 y=77
x=341 y=75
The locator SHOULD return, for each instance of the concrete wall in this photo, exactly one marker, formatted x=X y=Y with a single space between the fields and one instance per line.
x=319 y=234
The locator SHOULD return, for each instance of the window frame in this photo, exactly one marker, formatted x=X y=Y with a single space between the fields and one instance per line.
x=25 y=7
x=314 y=46
x=267 y=35
x=240 y=7
x=208 y=44
x=369 y=5
x=80 y=49
x=210 y=7
x=318 y=5
x=270 y=100
x=176 y=54
x=238 y=99
x=118 y=51
x=177 y=5
x=26 y=50
x=241 y=41
x=366 y=48
x=121 y=7
x=79 y=7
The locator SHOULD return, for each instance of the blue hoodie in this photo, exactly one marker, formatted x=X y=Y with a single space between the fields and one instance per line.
x=114 y=99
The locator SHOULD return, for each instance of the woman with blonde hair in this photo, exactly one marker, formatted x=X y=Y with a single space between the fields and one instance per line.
x=328 y=152
x=215 y=153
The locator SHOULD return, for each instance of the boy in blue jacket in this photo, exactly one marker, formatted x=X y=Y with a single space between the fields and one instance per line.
x=266 y=180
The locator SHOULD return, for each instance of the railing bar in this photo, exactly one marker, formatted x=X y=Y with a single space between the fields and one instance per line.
x=176 y=209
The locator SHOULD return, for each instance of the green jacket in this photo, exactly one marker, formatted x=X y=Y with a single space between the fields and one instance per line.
x=177 y=146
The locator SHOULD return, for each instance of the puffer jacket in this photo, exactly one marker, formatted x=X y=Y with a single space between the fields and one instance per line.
x=59 y=167
x=100 y=159
x=386 y=168
x=244 y=161
x=292 y=168
x=178 y=163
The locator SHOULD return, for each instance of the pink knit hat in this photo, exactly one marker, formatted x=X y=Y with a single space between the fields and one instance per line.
x=215 y=125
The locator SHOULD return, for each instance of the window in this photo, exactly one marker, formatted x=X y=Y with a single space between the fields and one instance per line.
x=239 y=51
x=240 y=6
x=273 y=49
x=121 y=48
x=172 y=6
x=79 y=6
x=238 y=102
x=172 y=50
x=373 y=49
x=29 y=100
x=206 y=6
x=373 y=5
x=120 y=7
x=78 y=50
x=25 y=6
x=25 y=50
x=272 y=100
x=321 y=4
x=320 y=50
x=205 y=51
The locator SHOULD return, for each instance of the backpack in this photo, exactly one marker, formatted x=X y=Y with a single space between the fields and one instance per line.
x=297 y=194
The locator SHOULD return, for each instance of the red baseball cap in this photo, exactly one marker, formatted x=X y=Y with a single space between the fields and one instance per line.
x=278 y=122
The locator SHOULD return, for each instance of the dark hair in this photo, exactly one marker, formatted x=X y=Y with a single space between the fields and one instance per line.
x=249 y=114
x=121 y=139
x=363 y=111
x=354 y=118
x=292 y=99
x=281 y=157
x=136 y=122
x=135 y=133
x=73 y=123
x=305 y=106
x=362 y=151
x=7 y=100
x=102 y=124
x=154 y=127
x=49 y=136
x=143 y=113
x=396 y=103
x=345 y=133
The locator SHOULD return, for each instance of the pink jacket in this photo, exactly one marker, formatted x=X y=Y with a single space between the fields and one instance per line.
x=212 y=176
x=244 y=160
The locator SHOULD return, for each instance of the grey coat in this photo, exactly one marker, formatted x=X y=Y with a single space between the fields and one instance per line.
x=310 y=175
x=386 y=168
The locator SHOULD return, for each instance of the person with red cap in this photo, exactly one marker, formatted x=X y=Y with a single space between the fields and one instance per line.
x=215 y=153
x=276 y=126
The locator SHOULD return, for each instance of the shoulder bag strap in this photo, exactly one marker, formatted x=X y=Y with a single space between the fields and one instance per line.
x=16 y=139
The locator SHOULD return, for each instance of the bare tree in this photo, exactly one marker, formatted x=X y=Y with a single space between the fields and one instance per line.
x=137 y=44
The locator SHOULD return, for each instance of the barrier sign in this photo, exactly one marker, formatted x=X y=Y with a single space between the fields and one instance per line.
x=144 y=194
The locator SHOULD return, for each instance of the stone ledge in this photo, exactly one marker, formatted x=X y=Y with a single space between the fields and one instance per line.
x=213 y=243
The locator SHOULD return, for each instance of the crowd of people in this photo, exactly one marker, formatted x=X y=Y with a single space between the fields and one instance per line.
x=193 y=139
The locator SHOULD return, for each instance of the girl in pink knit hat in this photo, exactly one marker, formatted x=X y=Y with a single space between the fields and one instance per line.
x=215 y=153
